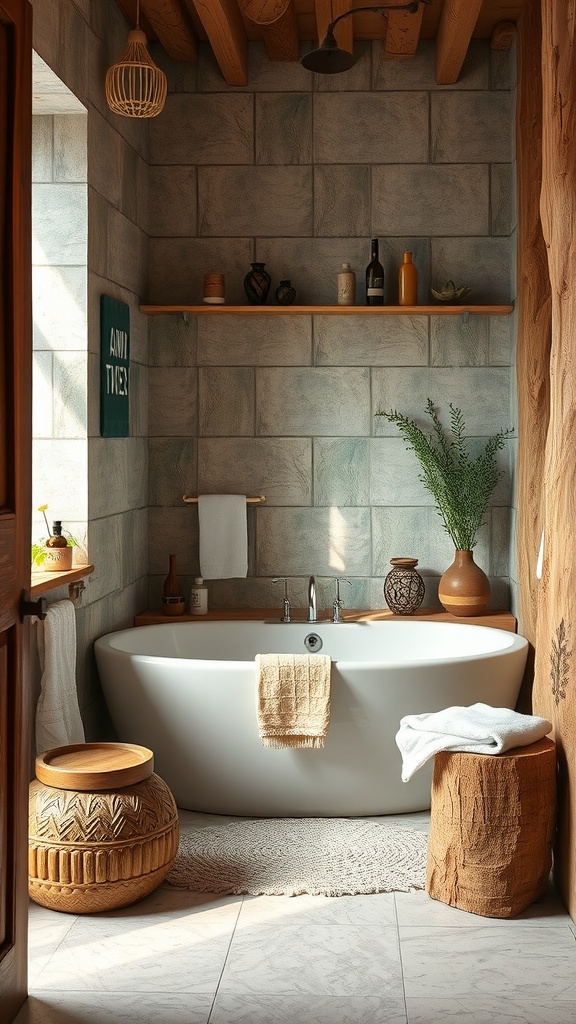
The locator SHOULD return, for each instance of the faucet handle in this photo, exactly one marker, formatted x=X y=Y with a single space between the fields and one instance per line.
x=339 y=580
x=284 y=579
x=338 y=603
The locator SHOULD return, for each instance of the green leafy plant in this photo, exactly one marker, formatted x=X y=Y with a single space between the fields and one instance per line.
x=460 y=484
x=38 y=550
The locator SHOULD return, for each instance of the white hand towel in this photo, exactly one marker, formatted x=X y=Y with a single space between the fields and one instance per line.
x=479 y=729
x=223 y=536
x=58 y=720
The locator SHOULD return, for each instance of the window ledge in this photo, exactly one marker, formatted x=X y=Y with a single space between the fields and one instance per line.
x=41 y=582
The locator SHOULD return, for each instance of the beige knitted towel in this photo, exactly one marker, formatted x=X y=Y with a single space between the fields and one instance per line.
x=293 y=699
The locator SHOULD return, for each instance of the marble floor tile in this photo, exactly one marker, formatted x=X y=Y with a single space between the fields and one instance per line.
x=518 y=962
x=488 y=1010
x=294 y=1009
x=417 y=908
x=377 y=909
x=46 y=930
x=117 y=1007
x=339 y=960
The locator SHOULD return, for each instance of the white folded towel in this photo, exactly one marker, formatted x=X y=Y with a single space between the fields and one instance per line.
x=223 y=536
x=58 y=721
x=479 y=729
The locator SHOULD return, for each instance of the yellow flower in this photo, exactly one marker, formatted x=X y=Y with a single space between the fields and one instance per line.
x=42 y=508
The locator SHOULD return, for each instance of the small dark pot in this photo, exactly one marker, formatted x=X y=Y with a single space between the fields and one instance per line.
x=257 y=284
x=285 y=293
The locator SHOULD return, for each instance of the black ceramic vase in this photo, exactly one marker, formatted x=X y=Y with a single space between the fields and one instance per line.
x=257 y=284
x=285 y=293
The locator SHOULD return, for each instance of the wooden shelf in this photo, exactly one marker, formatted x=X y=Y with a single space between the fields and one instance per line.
x=41 y=582
x=265 y=310
x=498 y=619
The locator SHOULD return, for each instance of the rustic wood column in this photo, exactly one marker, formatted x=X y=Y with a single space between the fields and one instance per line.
x=534 y=312
x=554 y=690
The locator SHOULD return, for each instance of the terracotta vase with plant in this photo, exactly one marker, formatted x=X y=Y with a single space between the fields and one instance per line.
x=461 y=486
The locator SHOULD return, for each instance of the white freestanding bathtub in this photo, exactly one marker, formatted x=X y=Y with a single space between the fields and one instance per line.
x=188 y=691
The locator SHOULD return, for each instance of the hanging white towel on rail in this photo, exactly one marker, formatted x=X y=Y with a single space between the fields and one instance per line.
x=223 y=536
x=58 y=720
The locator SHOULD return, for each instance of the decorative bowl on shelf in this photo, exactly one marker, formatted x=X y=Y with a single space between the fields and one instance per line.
x=450 y=292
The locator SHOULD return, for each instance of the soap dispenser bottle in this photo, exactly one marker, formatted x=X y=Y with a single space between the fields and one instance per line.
x=199 y=597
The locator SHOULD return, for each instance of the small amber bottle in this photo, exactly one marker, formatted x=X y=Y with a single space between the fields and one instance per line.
x=56 y=540
x=407 y=282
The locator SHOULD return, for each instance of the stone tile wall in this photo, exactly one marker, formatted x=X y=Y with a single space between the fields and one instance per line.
x=300 y=171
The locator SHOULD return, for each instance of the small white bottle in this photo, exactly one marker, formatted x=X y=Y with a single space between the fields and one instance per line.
x=199 y=597
x=346 y=286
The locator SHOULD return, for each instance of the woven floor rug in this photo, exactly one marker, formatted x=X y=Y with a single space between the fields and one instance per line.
x=289 y=856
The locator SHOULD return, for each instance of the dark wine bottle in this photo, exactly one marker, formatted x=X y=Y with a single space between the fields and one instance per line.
x=374 y=278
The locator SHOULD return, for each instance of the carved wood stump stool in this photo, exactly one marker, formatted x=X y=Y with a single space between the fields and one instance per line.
x=103 y=828
x=491 y=828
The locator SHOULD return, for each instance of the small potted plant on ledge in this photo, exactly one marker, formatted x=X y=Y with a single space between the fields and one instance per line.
x=55 y=553
x=461 y=487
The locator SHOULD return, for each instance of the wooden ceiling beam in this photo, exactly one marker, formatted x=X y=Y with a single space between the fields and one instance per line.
x=128 y=8
x=224 y=27
x=503 y=35
x=455 y=30
x=402 y=34
x=327 y=11
x=172 y=27
x=277 y=19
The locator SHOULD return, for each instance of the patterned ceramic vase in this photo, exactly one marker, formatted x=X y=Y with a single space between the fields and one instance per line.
x=285 y=293
x=257 y=284
x=404 y=587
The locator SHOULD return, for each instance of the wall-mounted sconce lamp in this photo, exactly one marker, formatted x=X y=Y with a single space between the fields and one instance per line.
x=135 y=86
x=329 y=59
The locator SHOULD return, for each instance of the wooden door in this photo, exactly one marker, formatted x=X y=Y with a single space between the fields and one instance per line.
x=15 y=489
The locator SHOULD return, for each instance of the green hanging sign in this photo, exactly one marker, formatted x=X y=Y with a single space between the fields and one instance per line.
x=114 y=367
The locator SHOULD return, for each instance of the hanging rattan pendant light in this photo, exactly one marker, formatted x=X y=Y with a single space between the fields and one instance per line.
x=135 y=86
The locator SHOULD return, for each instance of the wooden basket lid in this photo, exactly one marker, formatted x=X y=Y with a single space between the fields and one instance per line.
x=94 y=766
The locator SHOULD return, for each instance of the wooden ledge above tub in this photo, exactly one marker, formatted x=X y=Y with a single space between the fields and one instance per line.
x=317 y=310
x=41 y=582
x=497 y=619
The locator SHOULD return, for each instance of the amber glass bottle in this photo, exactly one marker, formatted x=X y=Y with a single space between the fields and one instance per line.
x=56 y=540
x=407 y=282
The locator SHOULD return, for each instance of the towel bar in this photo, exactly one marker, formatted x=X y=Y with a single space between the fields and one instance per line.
x=249 y=501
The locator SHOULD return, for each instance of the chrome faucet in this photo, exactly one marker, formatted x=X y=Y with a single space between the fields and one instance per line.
x=338 y=603
x=312 y=606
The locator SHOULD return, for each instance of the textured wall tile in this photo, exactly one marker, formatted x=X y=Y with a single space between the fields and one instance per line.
x=284 y=128
x=342 y=200
x=42 y=147
x=138 y=400
x=429 y=200
x=172 y=402
x=126 y=252
x=70 y=147
x=177 y=267
x=394 y=472
x=64 y=492
x=182 y=75
x=225 y=401
x=371 y=341
x=322 y=541
x=501 y=206
x=500 y=541
x=134 y=541
x=501 y=69
x=312 y=264
x=105 y=159
x=356 y=79
x=173 y=340
x=502 y=340
x=69 y=396
x=321 y=401
x=483 y=264
x=59 y=307
x=392 y=128
x=279 y=468
x=419 y=71
x=471 y=127
x=341 y=471
x=98 y=218
x=400 y=533
x=173 y=211
x=118 y=475
x=42 y=390
x=264 y=75
x=255 y=341
x=173 y=531
x=105 y=545
x=459 y=340
x=60 y=216
x=220 y=130
x=240 y=201
x=482 y=393
x=172 y=469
